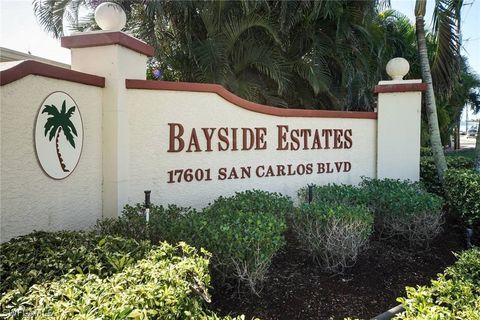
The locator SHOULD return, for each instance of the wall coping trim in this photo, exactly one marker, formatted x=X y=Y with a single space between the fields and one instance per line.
x=30 y=67
x=99 y=38
x=400 y=87
x=251 y=106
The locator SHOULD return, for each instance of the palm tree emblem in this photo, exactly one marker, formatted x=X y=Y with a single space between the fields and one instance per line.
x=58 y=122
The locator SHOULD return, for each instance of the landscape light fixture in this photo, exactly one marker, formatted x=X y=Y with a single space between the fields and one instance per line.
x=147 y=204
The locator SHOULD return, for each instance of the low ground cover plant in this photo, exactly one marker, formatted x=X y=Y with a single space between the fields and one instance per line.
x=334 y=234
x=44 y=256
x=455 y=294
x=170 y=283
x=243 y=232
x=462 y=189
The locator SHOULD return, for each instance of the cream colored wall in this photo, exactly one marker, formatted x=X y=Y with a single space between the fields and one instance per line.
x=116 y=63
x=399 y=120
x=30 y=200
x=150 y=111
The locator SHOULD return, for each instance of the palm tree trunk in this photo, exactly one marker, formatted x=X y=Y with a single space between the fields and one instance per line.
x=457 y=135
x=431 y=107
x=476 y=165
x=59 y=155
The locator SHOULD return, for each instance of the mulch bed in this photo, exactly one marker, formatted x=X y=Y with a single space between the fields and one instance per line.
x=297 y=289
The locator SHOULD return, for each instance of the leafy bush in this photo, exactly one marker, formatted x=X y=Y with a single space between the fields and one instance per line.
x=403 y=209
x=171 y=224
x=428 y=172
x=255 y=201
x=426 y=152
x=43 y=256
x=463 y=194
x=243 y=243
x=333 y=234
x=334 y=193
x=454 y=295
x=170 y=283
x=243 y=232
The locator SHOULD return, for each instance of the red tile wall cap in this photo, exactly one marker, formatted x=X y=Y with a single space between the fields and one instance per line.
x=99 y=38
x=252 y=106
x=400 y=87
x=30 y=67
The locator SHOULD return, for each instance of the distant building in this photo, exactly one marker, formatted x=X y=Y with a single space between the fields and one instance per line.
x=9 y=55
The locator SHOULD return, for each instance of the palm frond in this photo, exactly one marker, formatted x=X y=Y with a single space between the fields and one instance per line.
x=446 y=65
x=52 y=14
x=50 y=110
x=315 y=73
x=67 y=126
x=52 y=126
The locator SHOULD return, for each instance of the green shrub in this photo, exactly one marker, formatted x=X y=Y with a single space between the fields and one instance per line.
x=170 y=283
x=43 y=256
x=463 y=194
x=255 y=201
x=455 y=294
x=403 y=209
x=171 y=224
x=242 y=243
x=428 y=172
x=426 y=152
x=334 y=193
x=243 y=232
x=334 y=234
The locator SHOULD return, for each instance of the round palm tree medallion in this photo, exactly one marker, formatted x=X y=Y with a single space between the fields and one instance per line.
x=58 y=135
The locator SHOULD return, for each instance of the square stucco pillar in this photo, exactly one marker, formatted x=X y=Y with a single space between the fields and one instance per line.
x=398 y=129
x=115 y=56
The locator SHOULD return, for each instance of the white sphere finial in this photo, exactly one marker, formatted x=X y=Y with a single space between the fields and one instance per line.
x=110 y=16
x=397 y=68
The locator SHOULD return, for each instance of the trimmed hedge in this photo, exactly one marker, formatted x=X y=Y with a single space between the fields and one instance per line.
x=403 y=209
x=243 y=232
x=242 y=243
x=334 y=194
x=255 y=201
x=171 y=224
x=463 y=194
x=334 y=234
x=44 y=256
x=455 y=294
x=170 y=283
x=428 y=172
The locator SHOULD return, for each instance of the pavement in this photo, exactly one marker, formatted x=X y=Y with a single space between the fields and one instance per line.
x=467 y=142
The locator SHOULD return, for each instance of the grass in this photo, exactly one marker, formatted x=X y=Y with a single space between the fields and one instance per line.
x=467 y=153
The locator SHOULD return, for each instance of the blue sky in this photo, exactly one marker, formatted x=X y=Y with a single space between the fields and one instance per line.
x=20 y=31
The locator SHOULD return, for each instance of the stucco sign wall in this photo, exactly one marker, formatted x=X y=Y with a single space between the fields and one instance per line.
x=98 y=143
x=189 y=142
x=42 y=108
x=195 y=146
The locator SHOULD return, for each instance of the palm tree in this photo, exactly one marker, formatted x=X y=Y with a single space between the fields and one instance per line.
x=60 y=122
x=446 y=30
x=314 y=54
